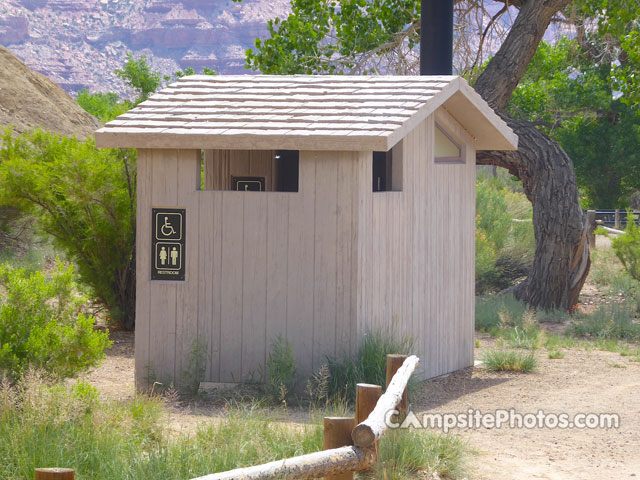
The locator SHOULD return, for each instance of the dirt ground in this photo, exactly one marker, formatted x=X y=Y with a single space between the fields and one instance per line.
x=582 y=382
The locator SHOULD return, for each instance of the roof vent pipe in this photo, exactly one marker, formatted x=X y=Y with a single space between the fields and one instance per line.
x=436 y=37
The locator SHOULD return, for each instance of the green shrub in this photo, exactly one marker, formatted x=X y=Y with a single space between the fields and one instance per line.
x=84 y=199
x=196 y=367
x=607 y=322
x=419 y=454
x=555 y=355
x=504 y=248
x=42 y=324
x=493 y=311
x=281 y=369
x=509 y=361
x=368 y=366
x=68 y=425
x=627 y=248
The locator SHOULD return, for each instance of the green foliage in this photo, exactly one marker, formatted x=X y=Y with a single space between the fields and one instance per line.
x=42 y=424
x=196 y=366
x=368 y=366
x=84 y=198
x=573 y=94
x=104 y=106
x=627 y=248
x=492 y=311
x=509 y=361
x=138 y=75
x=556 y=355
x=419 y=454
x=504 y=248
x=332 y=37
x=617 y=41
x=607 y=322
x=42 y=325
x=281 y=369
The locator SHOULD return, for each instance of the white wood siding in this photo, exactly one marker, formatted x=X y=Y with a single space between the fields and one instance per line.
x=258 y=265
x=321 y=266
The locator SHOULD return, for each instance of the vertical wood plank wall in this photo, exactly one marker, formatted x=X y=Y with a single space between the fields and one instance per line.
x=416 y=252
x=320 y=267
x=259 y=265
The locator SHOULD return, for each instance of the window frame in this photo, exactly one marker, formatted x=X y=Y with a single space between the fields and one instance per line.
x=461 y=159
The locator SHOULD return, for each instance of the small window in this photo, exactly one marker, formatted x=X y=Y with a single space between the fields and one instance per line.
x=288 y=168
x=387 y=170
x=250 y=170
x=446 y=148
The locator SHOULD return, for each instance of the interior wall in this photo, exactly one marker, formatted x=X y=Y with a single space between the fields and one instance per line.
x=221 y=165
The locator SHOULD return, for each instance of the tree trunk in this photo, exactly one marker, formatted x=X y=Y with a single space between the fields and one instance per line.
x=561 y=261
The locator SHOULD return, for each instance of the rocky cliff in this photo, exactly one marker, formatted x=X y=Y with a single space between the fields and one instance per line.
x=29 y=99
x=79 y=43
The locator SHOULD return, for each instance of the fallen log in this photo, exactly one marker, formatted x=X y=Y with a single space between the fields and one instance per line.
x=312 y=465
x=366 y=433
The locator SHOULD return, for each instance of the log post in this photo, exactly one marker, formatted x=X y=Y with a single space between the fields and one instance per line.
x=55 y=474
x=616 y=220
x=591 y=222
x=312 y=465
x=394 y=362
x=367 y=396
x=370 y=430
x=337 y=433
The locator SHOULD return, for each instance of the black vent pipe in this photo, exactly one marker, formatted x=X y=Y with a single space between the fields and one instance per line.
x=436 y=37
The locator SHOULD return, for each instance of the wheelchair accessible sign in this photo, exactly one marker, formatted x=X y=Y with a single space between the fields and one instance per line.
x=168 y=243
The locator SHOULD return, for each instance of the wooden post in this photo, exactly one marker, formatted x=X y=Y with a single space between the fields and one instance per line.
x=394 y=362
x=337 y=433
x=54 y=474
x=367 y=396
x=367 y=432
x=616 y=220
x=312 y=465
x=591 y=222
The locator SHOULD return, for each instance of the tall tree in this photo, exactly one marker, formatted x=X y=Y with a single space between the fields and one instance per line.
x=377 y=36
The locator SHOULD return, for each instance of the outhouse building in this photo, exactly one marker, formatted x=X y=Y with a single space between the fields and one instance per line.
x=318 y=208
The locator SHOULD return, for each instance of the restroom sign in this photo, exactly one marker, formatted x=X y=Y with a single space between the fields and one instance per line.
x=168 y=243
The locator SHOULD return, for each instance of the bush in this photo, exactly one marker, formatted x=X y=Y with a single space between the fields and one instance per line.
x=42 y=324
x=84 y=198
x=493 y=311
x=607 y=322
x=504 y=248
x=627 y=248
x=509 y=361
x=418 y=454
x=281 y=369
x=368 y=366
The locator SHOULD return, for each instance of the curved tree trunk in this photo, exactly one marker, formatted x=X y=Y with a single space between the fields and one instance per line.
x=561 y=261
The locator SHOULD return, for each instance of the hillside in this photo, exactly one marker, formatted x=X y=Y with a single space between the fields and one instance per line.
x=79 y=43
x=29 y=99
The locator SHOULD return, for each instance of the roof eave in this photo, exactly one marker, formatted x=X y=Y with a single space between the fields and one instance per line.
x=143 y=138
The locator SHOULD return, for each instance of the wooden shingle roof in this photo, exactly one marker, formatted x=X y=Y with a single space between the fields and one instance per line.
x=301 y=112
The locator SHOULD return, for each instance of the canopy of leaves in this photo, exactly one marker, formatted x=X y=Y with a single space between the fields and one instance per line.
x=572 y=97
x=104 y=106
x=138 y=75
x=321 y=36
x=42 y=325
x=84 y=198
x=616 y=40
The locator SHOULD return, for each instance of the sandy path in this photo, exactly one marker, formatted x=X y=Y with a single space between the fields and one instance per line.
x=582 y=382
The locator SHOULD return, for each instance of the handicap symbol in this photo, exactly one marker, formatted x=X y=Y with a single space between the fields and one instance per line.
x=167 y=229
